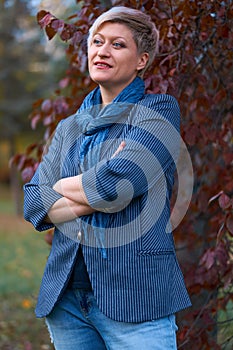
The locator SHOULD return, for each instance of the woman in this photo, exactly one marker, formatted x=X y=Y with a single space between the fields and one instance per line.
x=112 y=280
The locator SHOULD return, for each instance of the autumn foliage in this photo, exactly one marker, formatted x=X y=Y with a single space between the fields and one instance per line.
x=195 y=64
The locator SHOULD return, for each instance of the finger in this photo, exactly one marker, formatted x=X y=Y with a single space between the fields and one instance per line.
x=119 y=149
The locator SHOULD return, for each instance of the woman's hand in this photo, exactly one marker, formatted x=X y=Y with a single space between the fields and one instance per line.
x=71 y=187
x=65 y=210
x=119 y=149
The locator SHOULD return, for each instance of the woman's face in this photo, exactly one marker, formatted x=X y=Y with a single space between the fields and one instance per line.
x=113 y=57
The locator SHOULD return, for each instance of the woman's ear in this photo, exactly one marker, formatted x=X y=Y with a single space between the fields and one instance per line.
x=143 y=59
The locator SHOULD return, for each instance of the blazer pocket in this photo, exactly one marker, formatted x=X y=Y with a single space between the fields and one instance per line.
x=157 y=243
x=154 y=253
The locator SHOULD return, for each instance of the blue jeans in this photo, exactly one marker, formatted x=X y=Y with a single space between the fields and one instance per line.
x=76 y=323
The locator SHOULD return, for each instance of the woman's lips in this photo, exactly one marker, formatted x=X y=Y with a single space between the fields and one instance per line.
x=103 y=65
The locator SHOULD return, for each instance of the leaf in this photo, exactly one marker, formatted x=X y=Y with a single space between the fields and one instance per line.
x=37 y=103
x=163 y=86
x=229 y=224
x=172 y=72
x=228 y=158
x=228 y=279
x=66 y=33
x=203 y=36
x=215 y=197
x=57 y=25
x=35 y=119
x=14 y=160
x=208 y=259
x=46 y=106
x=63 y=83
x=224 y=201
x=48 y=237
x=75 y=15
x=191 y=134
x=220 y=95
x=27 y=174
x=77 y=38
x=48 y=120
x=50 y=32
x=193 y=105
x=149 y=4
x=220 y=233
x=45 y=18
x=221 y=254
x=31 y=148
x=21 y=162
x=40 y=15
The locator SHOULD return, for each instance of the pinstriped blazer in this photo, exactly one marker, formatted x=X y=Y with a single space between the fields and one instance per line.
x=140 y=279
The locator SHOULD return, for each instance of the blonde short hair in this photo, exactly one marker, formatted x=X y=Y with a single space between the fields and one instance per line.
x=145 y=34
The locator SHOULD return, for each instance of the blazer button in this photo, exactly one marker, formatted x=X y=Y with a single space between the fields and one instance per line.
x=79 y=235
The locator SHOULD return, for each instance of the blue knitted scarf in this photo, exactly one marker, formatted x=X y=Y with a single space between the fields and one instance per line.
x=94 y=122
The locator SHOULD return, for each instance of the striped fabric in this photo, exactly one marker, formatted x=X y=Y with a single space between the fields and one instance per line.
x=140 y=279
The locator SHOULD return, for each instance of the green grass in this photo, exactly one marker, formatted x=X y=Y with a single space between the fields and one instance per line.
x=225 y=331
x=22 y=260
x=6 y=207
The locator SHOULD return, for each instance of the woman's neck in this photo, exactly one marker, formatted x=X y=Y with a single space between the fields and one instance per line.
x=107 y=95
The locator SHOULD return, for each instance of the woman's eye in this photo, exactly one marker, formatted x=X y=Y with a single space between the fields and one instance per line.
x=97 y=42
x=118 y=45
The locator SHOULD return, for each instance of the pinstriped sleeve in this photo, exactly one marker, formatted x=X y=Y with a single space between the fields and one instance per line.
x=152 y=147
x=39 y=195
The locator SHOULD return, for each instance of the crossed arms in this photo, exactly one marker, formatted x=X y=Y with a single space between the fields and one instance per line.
x=73 y=202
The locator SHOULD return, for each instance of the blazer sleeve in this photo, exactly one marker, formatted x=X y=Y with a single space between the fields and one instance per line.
x=152 y=146
x=39 y=195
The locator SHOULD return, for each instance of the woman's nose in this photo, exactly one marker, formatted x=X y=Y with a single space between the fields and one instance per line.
x=104 y=50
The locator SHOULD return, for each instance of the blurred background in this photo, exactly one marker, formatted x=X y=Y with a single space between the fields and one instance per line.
x=29 y=67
